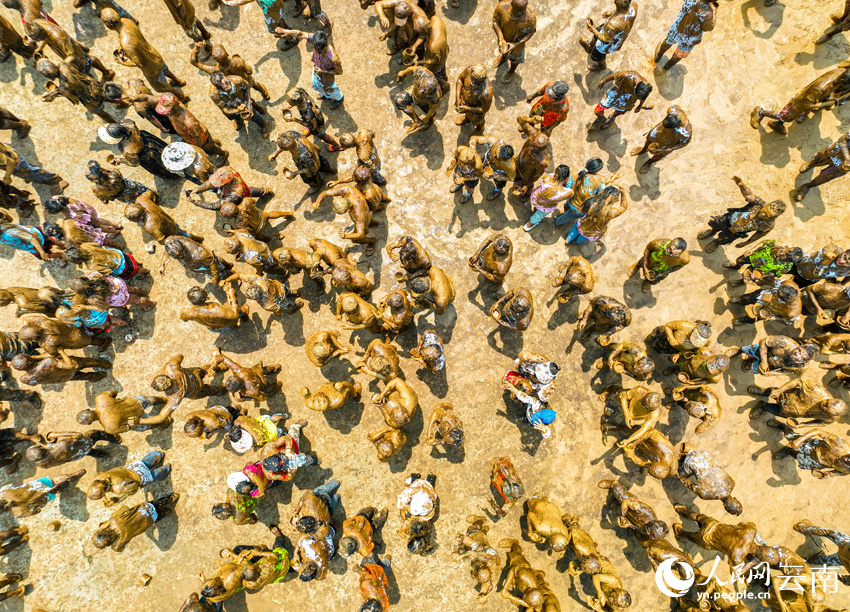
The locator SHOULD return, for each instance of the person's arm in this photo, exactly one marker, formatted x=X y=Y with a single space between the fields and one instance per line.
x=11 y=164
x=607 y=79
x=196 y=62
x=810 y=292
x=710 y=20
x=36 y=244
x=381 y=10
x=431 y=430
x=474 y=259
x=497 y=28
x=845 y=153
x=452 y=164
x=537 y=94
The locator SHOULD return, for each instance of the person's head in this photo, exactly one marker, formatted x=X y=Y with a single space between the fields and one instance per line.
x=34 y=31
x=420 y=285
x=286 y=141
x=103 y=537
x=519 y=6
x=562 y=174
x=22 y=362
x=502 y=245
x=341 y=205
x=534 y=598
x=557 y=90
x=320 y=41
x=246 y=487
x=196 y=296
x=834 y=407
x=372 y=605
x=622 y=5
x=652 y=400
x=309 y=571
x=53 y=230
x=802 y=354
x=276 y=463
x=75 y=255
x=768 y=554
x=483 y=574
x=111 y=19
x=347 y=546
x=843 y=80
x=455 y=437
x=620 y=598
x=173 y=247
x=114 y=132
x=113 y=91
x=97 y=489
x=793 y=255
x=93 y=170
x=229 y=210
x=402 y=13
x=219 y=80
x=590 y=564
x=558 y=543
x=56 y=204
x=655 y=529
x=733 y=506
x=379 y=364
x=672 y=120
x=787 y=293
x=193 y=428
x=254 y=292
x=297 y=97
x=717 y=364
x=658 y=470
x=37 y=453
x=31 y=333
x=643 y=90
x=349 y=304
x=506 y=152
x=395 y=301
x=232 y=246
x=540 y=142
x=520 y=305
x=48 y=69
x=306 y=524
x=213 y=587
x=162 y=383
x=643 y=368
x=362 y=175
x=677 y=246
x=701 y=334
x=167 y=104
x=86 y=417
x=478 y=73
x=403 y=100
x=218 y=53
x=134 y=212
x=696 y=409
x=430 y=353
x=843 y=260
x=251 y=573
x=233 y=384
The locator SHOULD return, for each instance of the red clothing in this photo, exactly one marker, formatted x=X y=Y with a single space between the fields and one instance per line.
x=550 y=110
x=374 y=585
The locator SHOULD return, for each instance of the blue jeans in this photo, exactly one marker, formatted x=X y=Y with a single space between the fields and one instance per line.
x=537 y=216
x=568 y=215
x=575 y=237
x=328 y=494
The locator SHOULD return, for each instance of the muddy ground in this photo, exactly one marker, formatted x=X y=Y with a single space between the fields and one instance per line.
x=755 y=54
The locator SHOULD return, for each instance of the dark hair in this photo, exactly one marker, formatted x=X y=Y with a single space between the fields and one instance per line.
x=219 y=511
x=672 y=121
x=56 y=204
x=112 y=91
x=786 y=293
x=420 y=284
x=34 y=31
x=196 y=295
x=309 y=570
x=560 y=89
x=216 y=78
x=679 y=244
x=319 y=40
x=306 y=524
x=403 y=99
x=643 y=90
x=793 y=255
x=53 y=230
x=506 y=151
x=276 y=463
x=371 y=605
x=116 y=130
x=591 y=166
x=75 y=255
x=562 y=173
x=245 y=487
x=47 y=68
x=93 y=168
x=234 y=384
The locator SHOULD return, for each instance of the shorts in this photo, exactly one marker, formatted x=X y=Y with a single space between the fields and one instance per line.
x=786 y=115
x=544 y=416
x=517 y=57
x=330 y=91
x=471 y=184
x=684 y=45
x=605 y=105
x=128 y=268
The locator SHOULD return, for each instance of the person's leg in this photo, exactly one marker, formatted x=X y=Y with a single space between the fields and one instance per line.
x=568 y=215
x=153 y=459
x=101 y=436
x=648 y=163
x=19 y=592
x=261 y=192
x=89 y=376
x=826 y=175
x=62 y=481
x=107 y=74
x=202 y=30
x=536 y=217
x=836 y=537
x=33 y=174
x=677 y=57
x=165 y=505
x=161 y=472
x=431 y=479
x=662 y=49
x=497 y=189
x=572 y=235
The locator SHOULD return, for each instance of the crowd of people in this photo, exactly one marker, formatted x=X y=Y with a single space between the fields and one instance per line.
x=808 y=292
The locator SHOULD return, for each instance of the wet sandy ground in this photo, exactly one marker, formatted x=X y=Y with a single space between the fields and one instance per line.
x=755 y=54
